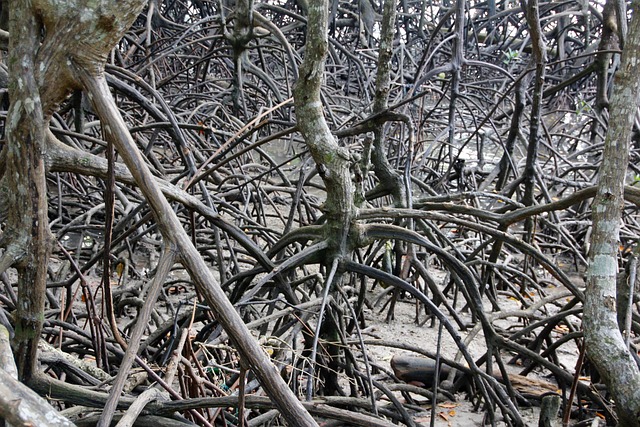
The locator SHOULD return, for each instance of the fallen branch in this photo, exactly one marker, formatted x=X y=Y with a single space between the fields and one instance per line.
x=21 y=406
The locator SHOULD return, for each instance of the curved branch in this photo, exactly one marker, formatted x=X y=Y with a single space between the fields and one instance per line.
x=399 y=283
x=549 y=265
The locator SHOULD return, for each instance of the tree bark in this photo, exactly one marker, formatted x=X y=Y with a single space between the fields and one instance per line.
x=21 y=406
x=42 y=46
x=332 y=161
x=389 y=180
x=532 y=13
x=28 y=222
x=333 y=165
x=604 y=342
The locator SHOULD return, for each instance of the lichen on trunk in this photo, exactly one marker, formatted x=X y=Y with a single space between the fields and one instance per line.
x=28 y=222
x=604 y=343
x=333 y=165
x=332 y=161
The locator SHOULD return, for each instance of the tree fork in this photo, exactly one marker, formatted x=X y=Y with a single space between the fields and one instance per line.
x=332 y=162
x=388 y=179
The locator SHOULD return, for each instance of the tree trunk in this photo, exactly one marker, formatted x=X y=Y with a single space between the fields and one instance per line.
x=39 y=80
x=332 y=161
x=539 y=59
x=28 y=222
x=389 y=180
x=604 y=342
x=333 y=165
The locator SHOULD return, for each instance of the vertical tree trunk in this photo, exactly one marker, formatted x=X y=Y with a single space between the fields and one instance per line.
x=41 y=47
x=331 y=160
x=242 y=35
x=608 y=41
x=605 y=345
x=388 y=178
x=539 y=58
x=28 y=222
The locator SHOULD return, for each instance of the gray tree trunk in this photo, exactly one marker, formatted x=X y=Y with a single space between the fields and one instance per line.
x=333 y=165
x=604 y=342
x=331 y=160
x=27 y=221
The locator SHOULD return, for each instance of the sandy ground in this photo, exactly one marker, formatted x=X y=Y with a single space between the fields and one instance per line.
x=458 y=413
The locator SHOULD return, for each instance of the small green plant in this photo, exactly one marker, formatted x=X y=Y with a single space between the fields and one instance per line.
x=511 y=56
x=582 y=106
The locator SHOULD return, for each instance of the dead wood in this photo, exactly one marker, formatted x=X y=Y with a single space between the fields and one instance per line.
x=422 y=371
x=21 y=406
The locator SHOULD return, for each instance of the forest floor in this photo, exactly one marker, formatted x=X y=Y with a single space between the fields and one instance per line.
x=403 y=328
